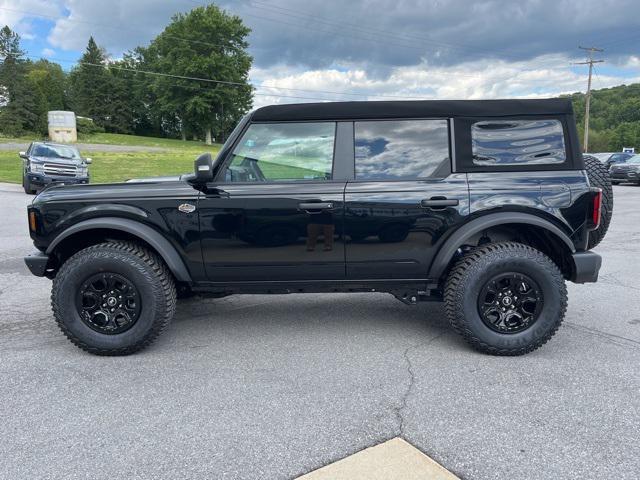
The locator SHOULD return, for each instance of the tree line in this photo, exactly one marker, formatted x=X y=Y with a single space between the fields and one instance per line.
x=614 y=120
x=191 y=81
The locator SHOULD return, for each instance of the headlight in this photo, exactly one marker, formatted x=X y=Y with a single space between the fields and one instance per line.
x=36 y=167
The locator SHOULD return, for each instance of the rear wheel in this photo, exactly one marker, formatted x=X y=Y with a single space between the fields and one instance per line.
x=114 y=298
x=505 y=298
x=599 y=177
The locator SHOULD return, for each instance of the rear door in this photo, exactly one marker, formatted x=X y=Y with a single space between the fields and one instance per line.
x=275 y=213
x=403 y=197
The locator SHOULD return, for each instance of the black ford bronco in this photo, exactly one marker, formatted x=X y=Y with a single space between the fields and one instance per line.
x=486 y=205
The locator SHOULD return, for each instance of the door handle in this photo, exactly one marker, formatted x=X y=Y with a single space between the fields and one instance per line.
x=436 y=203
x=311 y=206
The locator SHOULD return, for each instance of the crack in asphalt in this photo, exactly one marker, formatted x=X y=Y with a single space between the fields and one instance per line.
x=412 y=379
x=616 y=339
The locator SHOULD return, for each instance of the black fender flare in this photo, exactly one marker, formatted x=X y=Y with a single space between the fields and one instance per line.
x=457 y=238
x=160 y=244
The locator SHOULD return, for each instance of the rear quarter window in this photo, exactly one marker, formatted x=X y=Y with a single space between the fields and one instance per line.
x=517 y=142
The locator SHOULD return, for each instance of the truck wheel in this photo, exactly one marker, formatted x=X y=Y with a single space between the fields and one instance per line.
x=505 y=298
x=599 y=177
x=114 y=298
x=26 y=184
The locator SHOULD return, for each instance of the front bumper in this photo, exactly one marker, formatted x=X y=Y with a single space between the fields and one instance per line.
x=585 y=268
x=40 y=180
x=625 y=176
x=38 y=264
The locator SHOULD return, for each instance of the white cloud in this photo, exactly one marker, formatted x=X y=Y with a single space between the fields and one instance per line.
x=116 y=25
x=544 y=76
x=16 y=14
x=400 y=61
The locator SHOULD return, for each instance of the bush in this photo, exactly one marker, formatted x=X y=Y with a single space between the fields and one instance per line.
x=86 y=126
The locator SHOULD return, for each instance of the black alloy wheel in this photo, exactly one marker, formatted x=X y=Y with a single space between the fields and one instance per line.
x=510 y=302
x=108 y=303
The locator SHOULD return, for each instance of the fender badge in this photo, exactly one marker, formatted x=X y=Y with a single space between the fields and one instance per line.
x=186 y=208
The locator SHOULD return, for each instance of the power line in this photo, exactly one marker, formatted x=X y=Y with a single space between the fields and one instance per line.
x=367 y=30
x=223 y=82
x=374 y=33
x=233 y=47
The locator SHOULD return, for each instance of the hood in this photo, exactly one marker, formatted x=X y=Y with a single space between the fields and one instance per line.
x=66 y=161
x=100 y=192
x=173 y=178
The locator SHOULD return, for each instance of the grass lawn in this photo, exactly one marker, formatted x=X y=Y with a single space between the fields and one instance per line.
x=135 y=140
x=109 y=167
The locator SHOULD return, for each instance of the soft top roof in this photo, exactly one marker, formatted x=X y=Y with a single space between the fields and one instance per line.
x=412 y=109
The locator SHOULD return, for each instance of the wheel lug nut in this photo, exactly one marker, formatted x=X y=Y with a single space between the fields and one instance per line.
x=104 y=304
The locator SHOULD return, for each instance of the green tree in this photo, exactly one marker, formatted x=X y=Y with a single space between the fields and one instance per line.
x=90 y=84
x=614 y=119
x=49 y=79
x=23 y=107
x=205 y=43
x=625 y=135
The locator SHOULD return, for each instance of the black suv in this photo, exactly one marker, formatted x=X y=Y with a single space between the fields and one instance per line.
x=45 y=163
x=486 y=205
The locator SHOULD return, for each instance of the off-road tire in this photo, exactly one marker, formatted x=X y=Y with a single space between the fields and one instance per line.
x=144 y=269
x=26 y=185
x=599 y=177
x=471 y=272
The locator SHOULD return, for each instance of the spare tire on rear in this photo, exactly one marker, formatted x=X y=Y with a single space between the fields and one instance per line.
x=599 y=177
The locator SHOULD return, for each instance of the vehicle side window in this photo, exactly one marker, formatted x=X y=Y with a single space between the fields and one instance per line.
x=517 y=142
x=401 y=149
x=283 y=152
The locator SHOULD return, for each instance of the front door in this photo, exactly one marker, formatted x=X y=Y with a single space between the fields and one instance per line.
x=275 y=211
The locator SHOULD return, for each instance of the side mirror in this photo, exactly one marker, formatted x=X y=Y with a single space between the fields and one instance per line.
x=204 y=168
x=87 y=161
x=22 y=154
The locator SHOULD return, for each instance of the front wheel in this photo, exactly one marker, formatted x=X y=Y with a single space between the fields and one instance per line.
x=505 y=298
x=26 y=185
x=114 y=298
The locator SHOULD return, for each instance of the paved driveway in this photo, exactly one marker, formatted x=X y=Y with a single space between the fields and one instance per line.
x=275 y=386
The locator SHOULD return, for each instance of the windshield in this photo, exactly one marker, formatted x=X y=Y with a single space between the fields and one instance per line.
x=634 y=159
x=56 y=151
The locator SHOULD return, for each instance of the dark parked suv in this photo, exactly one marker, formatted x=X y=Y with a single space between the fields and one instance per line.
x=45 y=163
x=486 y=205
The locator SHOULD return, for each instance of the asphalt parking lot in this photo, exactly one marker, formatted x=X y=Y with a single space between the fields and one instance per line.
x=271 y=387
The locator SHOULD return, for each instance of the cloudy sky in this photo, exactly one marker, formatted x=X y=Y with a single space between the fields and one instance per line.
x=372 y=49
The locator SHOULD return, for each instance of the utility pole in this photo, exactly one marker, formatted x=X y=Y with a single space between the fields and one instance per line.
x=589 y=62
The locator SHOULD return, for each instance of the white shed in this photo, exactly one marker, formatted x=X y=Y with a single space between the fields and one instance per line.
x=62 y=126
